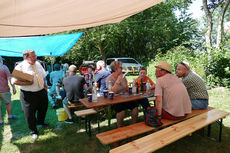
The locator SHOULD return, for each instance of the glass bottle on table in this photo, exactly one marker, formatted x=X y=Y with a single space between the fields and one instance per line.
x=94 y=93
x=142 y=85
x=134 y=90
x=148 y=85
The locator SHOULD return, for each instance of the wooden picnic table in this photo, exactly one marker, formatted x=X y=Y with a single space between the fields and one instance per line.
x=102 y=102
x=106 y=101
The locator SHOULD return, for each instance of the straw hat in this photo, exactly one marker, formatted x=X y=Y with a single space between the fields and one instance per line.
x=165 y=66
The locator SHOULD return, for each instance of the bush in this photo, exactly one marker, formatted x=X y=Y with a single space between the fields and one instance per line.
x=217 y=68
x=213 y=67
x=175 y=56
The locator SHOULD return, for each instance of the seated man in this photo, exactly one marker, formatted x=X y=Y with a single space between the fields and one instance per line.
x=144 y=79
x=54 y=77
x=101 y=76
x=73 y=85
x=172 y=99
x=195 y=86
x=118 y=84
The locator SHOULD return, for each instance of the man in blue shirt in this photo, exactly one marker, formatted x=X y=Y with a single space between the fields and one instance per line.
x=101 y=76
x=54 y=77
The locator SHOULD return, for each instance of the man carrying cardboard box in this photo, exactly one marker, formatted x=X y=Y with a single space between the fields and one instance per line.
x=33 y=93
x=5 y=95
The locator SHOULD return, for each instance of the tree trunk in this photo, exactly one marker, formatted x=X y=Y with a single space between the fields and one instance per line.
x=224 y=7
x=208 y=14
x=101 y=51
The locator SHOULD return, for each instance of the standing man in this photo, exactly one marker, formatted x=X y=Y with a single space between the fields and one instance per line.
x=73 y=85
x=101 y=76
x=172 y=99
x=195 y=86
x=33 y=94
x=5 y=95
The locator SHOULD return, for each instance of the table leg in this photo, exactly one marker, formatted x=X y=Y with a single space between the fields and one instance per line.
x=109 y=116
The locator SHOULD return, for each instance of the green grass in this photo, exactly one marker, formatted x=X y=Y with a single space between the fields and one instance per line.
x=63 y=138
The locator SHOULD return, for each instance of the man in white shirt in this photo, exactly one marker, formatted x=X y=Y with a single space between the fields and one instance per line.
x=33 y=93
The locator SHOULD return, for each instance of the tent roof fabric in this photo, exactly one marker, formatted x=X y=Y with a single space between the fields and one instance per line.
x=36 y=17
x=42 y=45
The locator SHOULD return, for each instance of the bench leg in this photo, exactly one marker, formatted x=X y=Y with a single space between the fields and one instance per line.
x=109 y=116
x=209 y=130
x=89 y=124
x=98 y=122
x=220 y=122
x=220 y=130
x=86 y=127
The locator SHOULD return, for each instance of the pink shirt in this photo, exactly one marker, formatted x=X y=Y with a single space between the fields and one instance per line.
x=175 y=98
x=4 y=75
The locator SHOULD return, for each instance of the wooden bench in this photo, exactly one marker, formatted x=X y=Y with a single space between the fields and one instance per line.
x=123 y=133
x=159 y=139
x=75 y=106
x=86 y=114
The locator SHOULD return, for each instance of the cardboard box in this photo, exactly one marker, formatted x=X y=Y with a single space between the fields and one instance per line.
x=22 y=76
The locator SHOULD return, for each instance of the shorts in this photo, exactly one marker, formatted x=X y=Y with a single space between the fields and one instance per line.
x=123 y=106
x=168 y=116
x=5 y=97
x=199 y=104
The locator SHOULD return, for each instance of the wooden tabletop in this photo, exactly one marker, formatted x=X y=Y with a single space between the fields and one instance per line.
x=106 y=101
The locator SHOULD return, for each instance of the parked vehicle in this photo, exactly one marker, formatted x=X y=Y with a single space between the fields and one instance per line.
x=129 y=64
x=84 y=66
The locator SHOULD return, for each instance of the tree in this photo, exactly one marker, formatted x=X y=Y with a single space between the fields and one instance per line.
x=224 y=7
x=141 y=36
x=209 y=9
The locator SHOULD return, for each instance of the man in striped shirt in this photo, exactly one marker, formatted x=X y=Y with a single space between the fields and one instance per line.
x=195 y=86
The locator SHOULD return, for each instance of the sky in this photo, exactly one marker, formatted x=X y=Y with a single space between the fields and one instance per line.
x=195 y=9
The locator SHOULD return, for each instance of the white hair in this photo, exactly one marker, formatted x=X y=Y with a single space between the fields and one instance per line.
x=100 y=64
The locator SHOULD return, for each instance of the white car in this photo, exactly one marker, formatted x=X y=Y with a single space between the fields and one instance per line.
x=129 y=64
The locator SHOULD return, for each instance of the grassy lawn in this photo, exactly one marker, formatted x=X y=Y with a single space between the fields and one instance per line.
x=63 y=138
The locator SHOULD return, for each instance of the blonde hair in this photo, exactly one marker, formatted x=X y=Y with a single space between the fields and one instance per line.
x=115 y=65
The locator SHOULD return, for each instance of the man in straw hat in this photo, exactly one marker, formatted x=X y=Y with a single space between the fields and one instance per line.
x=172 y=99
x=195 y=86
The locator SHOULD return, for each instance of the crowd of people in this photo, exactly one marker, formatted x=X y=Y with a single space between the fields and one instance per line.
x=175 y=97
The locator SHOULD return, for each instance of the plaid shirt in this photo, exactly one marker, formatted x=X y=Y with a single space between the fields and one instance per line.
x=195 y=86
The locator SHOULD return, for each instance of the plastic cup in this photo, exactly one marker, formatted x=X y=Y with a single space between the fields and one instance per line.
x=130 y=90
x=89 y=97
x=111 y=95
x=105 y=93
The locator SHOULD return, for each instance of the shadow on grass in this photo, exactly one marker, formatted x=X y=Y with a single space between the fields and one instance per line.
x=58 y=137
x=3 y=114
x=201 y=144
x=64 y=138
